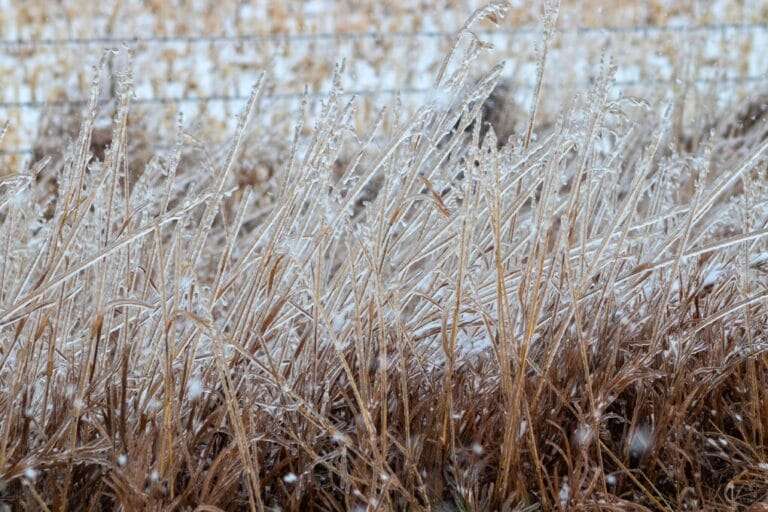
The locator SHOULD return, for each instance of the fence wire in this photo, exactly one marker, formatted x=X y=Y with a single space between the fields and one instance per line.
x=372 y=93
x=375 y=35
x=406 y=91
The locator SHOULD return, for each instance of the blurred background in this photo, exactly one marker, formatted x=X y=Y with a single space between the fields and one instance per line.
x=201 y=57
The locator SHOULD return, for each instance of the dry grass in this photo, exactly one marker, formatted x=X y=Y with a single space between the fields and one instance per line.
x=401 y=319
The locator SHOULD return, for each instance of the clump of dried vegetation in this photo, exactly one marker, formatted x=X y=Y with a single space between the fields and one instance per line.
x=574 y=321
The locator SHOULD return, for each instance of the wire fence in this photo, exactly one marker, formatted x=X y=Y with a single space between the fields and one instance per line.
x=212 y=39
x=646 y=30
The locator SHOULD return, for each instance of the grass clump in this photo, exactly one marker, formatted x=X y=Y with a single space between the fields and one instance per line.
x=568 y=321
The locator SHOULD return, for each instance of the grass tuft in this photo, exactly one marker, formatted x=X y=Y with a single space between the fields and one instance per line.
x=453 y=310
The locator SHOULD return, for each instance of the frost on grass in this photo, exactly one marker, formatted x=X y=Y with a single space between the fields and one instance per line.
x=640 y=441
x=195 y=389
x=515 y=316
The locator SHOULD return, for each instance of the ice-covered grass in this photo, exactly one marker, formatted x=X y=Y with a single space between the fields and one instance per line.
x=417 y=316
